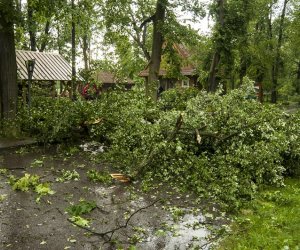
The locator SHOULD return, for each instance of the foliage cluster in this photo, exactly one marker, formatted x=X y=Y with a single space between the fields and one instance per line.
x=97 y=176
x=52 y=120
x=68 y=175
x=198 y=141
x=31 y=182
x=76 y=212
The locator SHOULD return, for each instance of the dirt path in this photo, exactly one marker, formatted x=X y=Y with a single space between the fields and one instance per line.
x=156 y=220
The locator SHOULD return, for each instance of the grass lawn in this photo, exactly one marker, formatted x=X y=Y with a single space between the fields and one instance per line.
x=270 y=222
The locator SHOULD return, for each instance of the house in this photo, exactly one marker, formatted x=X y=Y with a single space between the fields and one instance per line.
x=49 y=69
x=187 y=76
x=110 y=81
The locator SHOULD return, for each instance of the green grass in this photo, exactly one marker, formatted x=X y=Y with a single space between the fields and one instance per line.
x=272 y=221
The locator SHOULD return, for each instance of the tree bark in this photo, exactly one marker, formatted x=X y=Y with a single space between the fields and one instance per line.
x=157 y=42
x=31 y=26
x=45 y=38
x=8 y=65
x=73 y=87
x=298 y=80
x=212 y=79
x=85 y=49
x=275 y=68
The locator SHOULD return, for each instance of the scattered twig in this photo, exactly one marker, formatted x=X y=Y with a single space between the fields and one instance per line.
x=112 y=231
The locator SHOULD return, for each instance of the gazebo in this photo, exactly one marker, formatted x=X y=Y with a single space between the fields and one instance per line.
x=49 y=68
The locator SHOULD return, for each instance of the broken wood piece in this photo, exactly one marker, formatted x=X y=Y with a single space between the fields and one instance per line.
x=120 y=177
x=198 y=136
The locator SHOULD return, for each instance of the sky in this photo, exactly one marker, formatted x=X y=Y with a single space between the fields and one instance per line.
x=203 y=26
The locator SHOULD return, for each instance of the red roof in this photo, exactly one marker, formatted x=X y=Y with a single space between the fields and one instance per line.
x=188 y=70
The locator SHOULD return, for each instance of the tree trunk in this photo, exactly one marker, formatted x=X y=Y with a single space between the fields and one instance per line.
x=275 y=68
x=85 y=49
x=157 y=42
x=73 y=87
x=31 y=26
x=298 y=80
x=212 y=79
x=8 y=65
x=45 y=38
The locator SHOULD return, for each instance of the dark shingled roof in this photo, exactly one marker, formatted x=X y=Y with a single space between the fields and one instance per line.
x=185 y=71
x=48 y=66
x=107 y=77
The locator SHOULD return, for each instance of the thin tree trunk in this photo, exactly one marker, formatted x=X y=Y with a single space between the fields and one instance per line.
x=46 y=34
x=157 y=42
x=298 y=80
x=73 y=87
x=275 y=68
x=31 y=26
x=243 y=70
x=59 y=46
x=212 y=79
x=8 y=65
x=85 y=49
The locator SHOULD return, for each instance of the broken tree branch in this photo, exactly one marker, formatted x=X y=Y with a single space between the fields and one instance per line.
x=147 y=20
x=112 y=231
x=154 y=151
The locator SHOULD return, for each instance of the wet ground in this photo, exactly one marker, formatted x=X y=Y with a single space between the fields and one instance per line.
x=123 y=216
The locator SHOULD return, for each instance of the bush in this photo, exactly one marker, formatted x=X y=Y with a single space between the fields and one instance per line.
x=52 y=120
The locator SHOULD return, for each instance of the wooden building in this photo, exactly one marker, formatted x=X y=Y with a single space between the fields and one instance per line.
x=188 y=74
x=110 y=81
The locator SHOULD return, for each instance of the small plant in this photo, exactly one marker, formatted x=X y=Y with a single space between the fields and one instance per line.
x=96 y=176
x=37 y=163
x=177 y=213
x=78 y=220
x=22 y=151
x=31 y=182
x=43 y=189
x=83 y=207
x=24 y=183
x=68 y=175
x=135 y=238
x=2 y=197
x=3 y=171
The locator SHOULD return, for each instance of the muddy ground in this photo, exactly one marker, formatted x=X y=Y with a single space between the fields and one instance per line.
x=158 y=219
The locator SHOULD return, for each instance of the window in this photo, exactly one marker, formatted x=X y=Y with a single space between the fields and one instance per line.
x=185 y=83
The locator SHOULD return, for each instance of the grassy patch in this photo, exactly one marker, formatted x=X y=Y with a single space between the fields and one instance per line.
x=270 y=222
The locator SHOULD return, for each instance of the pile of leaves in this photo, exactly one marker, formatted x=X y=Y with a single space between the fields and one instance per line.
x=220 y=146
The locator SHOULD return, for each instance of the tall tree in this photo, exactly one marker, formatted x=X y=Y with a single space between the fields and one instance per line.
x=73 y=44
x=157 y=42
x=8 y=66
x=32 y=29
x=276 y=65
x=212 y=81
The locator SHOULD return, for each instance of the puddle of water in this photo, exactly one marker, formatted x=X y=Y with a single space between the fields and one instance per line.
x=185 y=234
